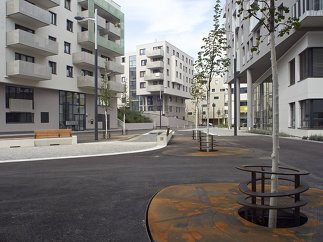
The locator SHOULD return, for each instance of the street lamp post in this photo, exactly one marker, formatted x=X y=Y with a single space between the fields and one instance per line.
x=95 y=19
x=160 y=107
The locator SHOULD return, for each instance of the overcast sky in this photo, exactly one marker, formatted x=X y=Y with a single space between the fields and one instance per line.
x=182 y=23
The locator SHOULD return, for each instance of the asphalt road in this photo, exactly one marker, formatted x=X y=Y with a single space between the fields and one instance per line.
x=105 y=198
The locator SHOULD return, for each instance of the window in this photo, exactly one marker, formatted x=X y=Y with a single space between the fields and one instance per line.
x=292 y=72
x=123 y=59
x=52 y=65
x=167 y=49
x=69 y=25
x=23 y=57
x=44 y=117
x=142 y=51
x=189 y=113
x=213 y=89
x=86 y=72
x=13 y=92
x=21 y=117
x=216 y=97
x=177 y=54
x=292 y=115
x=222 y=90
x=69 y=71
x=123 y=79
x=53 y=19
x=68 y=4
x=173 y=52
x=17 y=26
x=142 y=84
x=143 y=62
x=311 y=63
x=312 y=113
x=168 y=83
x=167 y=72
x=168 y=61
x=67 y=47
x=87 y=51
x=142 y=73
x=51 y=38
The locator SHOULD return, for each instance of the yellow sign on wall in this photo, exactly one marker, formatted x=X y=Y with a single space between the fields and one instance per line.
x=243 y=109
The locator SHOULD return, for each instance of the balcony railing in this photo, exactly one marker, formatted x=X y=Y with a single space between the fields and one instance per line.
x=46 y=4
x=115 y=67
x=27 y=70
x=86 y=60
x=155 y=53
x=29 y=42
x=155 y=64
x=27 y=13
x=154 y=77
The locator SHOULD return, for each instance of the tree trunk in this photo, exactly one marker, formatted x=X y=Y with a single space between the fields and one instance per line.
x=272 y=220
x=196 y=118
x=106 y=124
x=124 y=122
x=207 y=118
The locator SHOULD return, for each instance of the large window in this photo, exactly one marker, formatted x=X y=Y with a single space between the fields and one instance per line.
x=292 y=115
x=19 y=93
x=67 y=47
x=311 y=63
x=21 y=117
x=69 y=25
x=68 y=4
x=53 y=66
x=312 y=113
x=23 y=57
x=72 y=110
x=142 y=51
x=69 y=71
x=292 y=72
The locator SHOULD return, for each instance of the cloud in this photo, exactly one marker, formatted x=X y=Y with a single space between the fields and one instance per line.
x=183 y=23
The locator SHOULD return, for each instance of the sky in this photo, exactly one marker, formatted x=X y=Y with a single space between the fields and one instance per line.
x=182 y=23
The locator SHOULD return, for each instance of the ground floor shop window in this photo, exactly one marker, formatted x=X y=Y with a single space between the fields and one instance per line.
x=19 y=117
x=263 y=105
x=292 y=115
x=312 y=113
x=72 y=110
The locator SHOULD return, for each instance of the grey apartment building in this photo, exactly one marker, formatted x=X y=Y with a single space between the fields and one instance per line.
x=300 y=68
x=47 y=62
x=159 y=77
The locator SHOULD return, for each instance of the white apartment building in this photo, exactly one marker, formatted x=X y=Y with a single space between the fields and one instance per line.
x=300 y=69
x=162 y=70
x=217 y=109
x=47 y=62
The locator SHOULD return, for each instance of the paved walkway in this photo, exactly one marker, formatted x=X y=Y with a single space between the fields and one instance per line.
x=139 y=143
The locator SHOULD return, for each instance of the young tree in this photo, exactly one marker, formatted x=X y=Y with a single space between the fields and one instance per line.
x=211 y=60
x=274 y=21
x=126 y=101
x=105 y=97
x=197 y=92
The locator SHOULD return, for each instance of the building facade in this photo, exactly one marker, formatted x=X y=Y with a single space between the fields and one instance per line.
x=300 y=72
x=47 y=64
x=164 y=75
x=217 y=110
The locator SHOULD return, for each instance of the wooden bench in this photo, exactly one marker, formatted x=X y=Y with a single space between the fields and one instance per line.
x=52 y=133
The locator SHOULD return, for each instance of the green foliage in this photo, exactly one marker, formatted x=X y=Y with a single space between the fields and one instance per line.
x=271 y=17
x=211 y=60
x=126 y=101
x=105 y=96
x=316 y=137
x=133 y=116
x=197 y=91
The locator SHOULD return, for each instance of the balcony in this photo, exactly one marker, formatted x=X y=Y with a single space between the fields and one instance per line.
x=28 y=14
x=154 y=77
x=27 y=70
x=106 y=46
x=86 y=60
x=155 y=53
x=115 y=67
x=116 y=86
x=46 y=4
x=85 y=14
x=85 y=82
x=32 y=43
x=155 y=88
x=155 y=65
x=112 y=31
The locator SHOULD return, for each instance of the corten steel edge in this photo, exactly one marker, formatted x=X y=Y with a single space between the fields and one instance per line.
x=285 y=174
